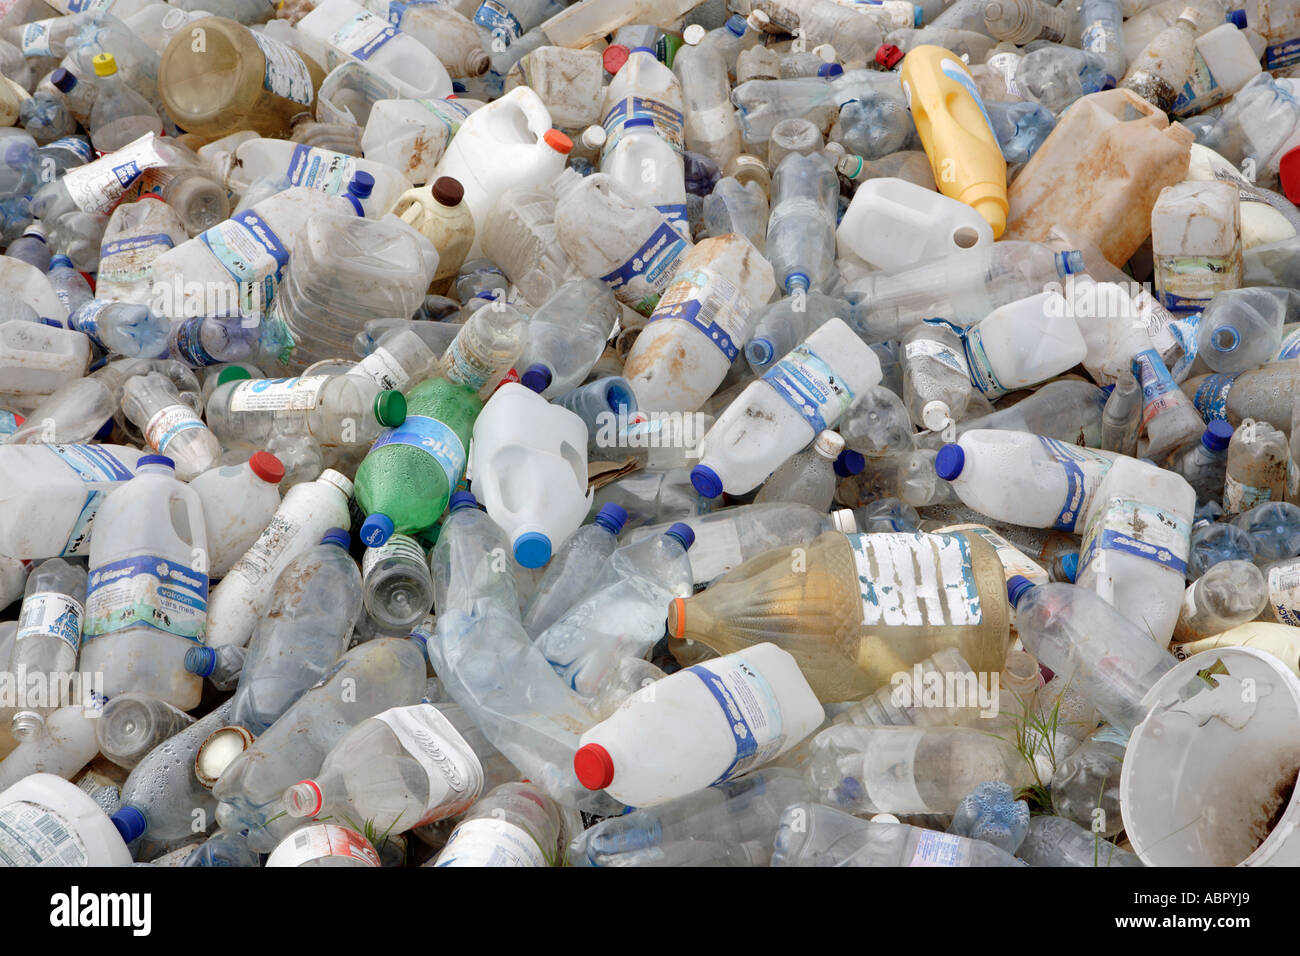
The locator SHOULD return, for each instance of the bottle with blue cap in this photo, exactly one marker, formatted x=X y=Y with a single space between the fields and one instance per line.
x=397 y=589
x=314 y=606
x=147 y=592
x=600 y=403
x=801 y=228
x=566 y=336
x=576 y=564
x=220 y=665
x=1204 y=464
x=69 y=285
x=42 y=804
x=622 y=615
x=471 y=560
x=785 y=322
x=48 y=638
x=127 y=328
x=643 y=88
x=700 y=325
x=807 y=478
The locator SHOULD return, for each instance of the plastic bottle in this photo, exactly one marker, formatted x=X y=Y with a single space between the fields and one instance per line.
x=169 y=424
x=242 y=597
x=1058 y=841
x=566 y=336
x=69 y=285
x=147 y=595
x=1196 y=243
x=297 y=164
x=515 y=824
x=1204 y=464
x=1241 y=329
x=137 y=233
x=645 y=165
x=1169 y=418
x=446 y=222
x=1121 y=419
x=487 y=347
x=1258 y=460
x=51 y=822
x=220 y=665
x=808 y=477
x=575 y=565
x=120 y=114
x=1228 y=594
x=1158 y=73
x=709 y=121
x=467 y=562
x=48 y=637
x=132 y=725
x=801 y=228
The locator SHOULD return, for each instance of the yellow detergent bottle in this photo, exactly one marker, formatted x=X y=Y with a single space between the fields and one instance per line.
x=1280 y=640
x=956 y=132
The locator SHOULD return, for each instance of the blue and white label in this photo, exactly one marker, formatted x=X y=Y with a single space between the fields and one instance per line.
x=363 y=36
x=639 y=281
x=1084 y=471
x=496 y=18
x=252 y=253
x=76 y=145
x=169 y=422
x=1159 y=390
x=1211 y=398
x=668 y=121
x=712 y=304
x=433 y=438
x=1146 y=531
x=36 y=38
x=916 y=580
x=146 y=591
x=131 y=260
x=321 y=169
x=982 y=375
x=92 y=462
x=286 y=73
x=86 y=321
x=750 y=707
x=51 y=614
x=810 y=386
x=397 y=9
x=1290 y=346
x=1279 y=55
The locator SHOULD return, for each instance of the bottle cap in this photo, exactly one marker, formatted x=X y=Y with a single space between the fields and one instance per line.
x=362 y=185
x=796 y=280
x=934 y=416
x=888 y=56
x=532 y=549
x=614 y=57
x=619 y=397
x=1288 y=170
x=829 y=444
x=643 y=49
x=706 y=481
x=1217 y=435
x=693 y=34
x=536 y=377
x=104 y=64
x=557 y=140
x=844 y=521
x=736 y=25
x=612 y=517
x=60 y=262
x=390 y=408
x=129 y=820
x=850 y=463
x=376 y=529
x=1225 y=339
x=683 y=533
x=593 y=137
x=201 y=660
x=828 y=70
x=462 y=499
x=154 y=460
x=218 y=752
x=918 y=16
x=593 y=766
x=267 y=467
x=1192 y=16
x=63 y=80
x=232 y=373
x=339 y=480
x=337 y=536
x=448 y=191
x=1237 y=18
x=1016 y=588
x=759 y=352
x=950 y=461
x=639 y=122
x=1069 y=263
x=1070 y=565
x=677 y=618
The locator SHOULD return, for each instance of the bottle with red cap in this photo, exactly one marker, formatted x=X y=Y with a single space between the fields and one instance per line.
x=238 y=502
x=700 y=727
x=642 y=88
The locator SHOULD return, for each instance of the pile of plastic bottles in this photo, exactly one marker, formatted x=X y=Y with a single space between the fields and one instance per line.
x=649 y=432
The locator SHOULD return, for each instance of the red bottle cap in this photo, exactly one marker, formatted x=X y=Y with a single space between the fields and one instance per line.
x=557 y=141
x=614 y=57
x=267 y=467
x=1288 y=171
x=888 y=56
x=594 y=766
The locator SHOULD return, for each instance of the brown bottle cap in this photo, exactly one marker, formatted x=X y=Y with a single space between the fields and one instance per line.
x=218 y=752
x=448 y=191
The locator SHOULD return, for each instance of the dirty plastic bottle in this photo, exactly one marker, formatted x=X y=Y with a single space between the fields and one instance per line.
x=132 y=725
x=238 y=502
x=785 y=322
x=1228 y=594
x=812 y=834
x=486 y=348
x=1158 y=73
x=1204 y=464
x=170 y=425
x=49 y=636
x=1023 y=21
x=1196 y=244
x=709 y=120
x=566 y=336
x=220 y=665
x=807 y=478
x=136 y=234
x=1058 y=841
x=801 y=228
x=48 y=821
x=649 y=168
x=1258 y=459
x=515 y=824
x=1169 y=418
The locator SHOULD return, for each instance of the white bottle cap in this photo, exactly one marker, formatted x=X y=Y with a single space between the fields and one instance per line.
x=593 y=137
x=694 y=34
x=844 y=521
x=935 y=416
x=885 y=818
x=829 y=444
x=758 y=19
x=338 y=480
x=1192 y=15
x=826 y=52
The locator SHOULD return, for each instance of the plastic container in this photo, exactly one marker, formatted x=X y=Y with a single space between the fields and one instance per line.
x=893 y=224
x=298 y=164
x=1024 y=343
x=238 y=502
x=1196 y=243
x=48 y=821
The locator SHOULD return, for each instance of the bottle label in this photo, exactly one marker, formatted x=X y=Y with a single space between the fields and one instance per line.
x=1200 y=92
x=130 y=260
x=275 y=539
x=915 y=580
x=675 y=213
x=398 y=546
x=1239 y=497
x=95 y=186
x=321 y=169
x=889 y=773
x=1159 y=391
x=712 y=304
x=277 y=394
x=318 y=842
x=1188 y=283
x=667 y=121
x=1211 y=398
x=79 y=6
x=86 y=320
x=489 y=841
x=957 y=72
x=1284 y=593
x=982 y=375
x=31 y=835
x=1137 y=528
x=1290 y=346
x=750 y=707
x=51 y=614
x=455 y=774
x=1279 y=55
x=275 y=338
x=36 y=37
x=940 y=849
x=169 y=422
x=382 y=368
x=252 y=253
x=451 y=113
x=92 y=464
x=76 y=145
x=189 y=344
x=497 y=19
x=1005 y=65
x=810 y=386
x=639 y=281
x=1014 y=561
x=464 y=366
x=362 y=36
x=1081 y=484
x=941 y=352
x=146 y=591
x=433 y=438
x=286 y=73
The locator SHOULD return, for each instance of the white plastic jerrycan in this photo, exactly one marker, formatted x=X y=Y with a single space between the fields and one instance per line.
x=893 y=224
x=509 y=142
x=529 y=468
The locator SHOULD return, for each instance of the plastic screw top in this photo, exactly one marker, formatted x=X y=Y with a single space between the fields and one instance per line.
x=1017 y=587
x=337 y=536
x=390 y=408
x=105 y=64
x=537 y=378
x=706 y=481
x=130 y=821
x=950 y=461
x=593 y=766
x=850 y=463
x=163 y=460
x=829 y=444
x=683 y=533
x=612 y=517
x=1070 y=565
x=200 y=660
x=532 y=549
x=64 y=81
x=447 y=191
x=267 y=467
x=376 y=529
x=1217 y=435
x=461 y=500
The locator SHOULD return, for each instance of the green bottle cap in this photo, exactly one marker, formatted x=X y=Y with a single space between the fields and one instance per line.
x=390 y=408
x=232 y=373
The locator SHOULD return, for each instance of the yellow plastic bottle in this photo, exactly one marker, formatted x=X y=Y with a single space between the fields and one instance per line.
x=956 y=132
x=1280 y=640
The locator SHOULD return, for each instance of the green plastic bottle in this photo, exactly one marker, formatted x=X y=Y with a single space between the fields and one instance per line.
x=407 y=477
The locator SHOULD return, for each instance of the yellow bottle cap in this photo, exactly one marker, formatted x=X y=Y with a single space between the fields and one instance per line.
x=105 y=65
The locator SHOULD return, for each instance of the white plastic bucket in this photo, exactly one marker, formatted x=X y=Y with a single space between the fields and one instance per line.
x=1209 y=775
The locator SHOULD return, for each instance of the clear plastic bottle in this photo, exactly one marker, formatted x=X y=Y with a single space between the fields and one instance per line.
x=1102 y=33
x=1087 y=780
x=120 y=114
x=122 y=328
x=1121 y=419
x=137 y=233
x=170 y=426
x=1228 y=594
x=132 y=725
x=471 y=560
x=1204 y=464
x=1158 y=73
x=1258 y=459
x=709 y=119
x=486 y=348
x=69 y=285
x=1169 y=418
x=785 y=322
x=936 y=375
x=397 y=588
x=1023 y=21
x=807 y=478
x=515 y=824
x=48 y=637
x=1058 y=841
x=575 y=565
x=801 y=229
x=220 y=665
x=566 y=336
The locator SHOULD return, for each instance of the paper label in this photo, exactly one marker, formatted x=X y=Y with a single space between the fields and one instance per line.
x=433 y=438
x=488 y=841
x=286 y=73
x=1159 y=391
x=277 y=394
x=1290 y=346
x=50 y=614
x=982 y=375
x=1188 y=283
x=36 y=37
x=130 y=260
x=940 y=849
x=497 y=19
x=397 y=546
x=92 y=464
x=810 y=386
x=146 y=591
x=31 y=835
x=914 y=580
x=1200 y=92
x=1014 y=561
x=712 y=304
x=889 y=773
x=1211 y=398
x=363 y=35
x=95 y=186
x=321 y=169
x=382 y=368
x=1084 y=471
x=455 y=774
x=252 y=253
x=639 y=281
x=1284 y=593
x=1137 y=528
x=323 y=840
x=750 y=707
x=667 y=122
x=941 y=352
x=274 y=540
x=1239 y=497
x=167 y=423
x=1279 y=55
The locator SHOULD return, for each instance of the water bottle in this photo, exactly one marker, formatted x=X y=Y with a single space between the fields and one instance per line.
x=220 y=665
x=566 y=336
x=709 y=121
x=1102 y=33
x=170 y=426
x=1228 y=594
x=1169 y=417
x=471 y=560
x=1258 y=459
x=1121 y=419
x=397 y=589
x=516 y=824
x=807 y=478
x=123 y=328
x=69 y=285
x=120 y=115
x=801 y=229
x=487 y=347
x=132 y=725
x=1058 y=841
x=67 y=744
x=1204 y=464
x=49 y=635
x=137 y=233
x=1241 y=329
x=936 y=375
x=576 y=563
x=1158 y=72
x=1055 y=76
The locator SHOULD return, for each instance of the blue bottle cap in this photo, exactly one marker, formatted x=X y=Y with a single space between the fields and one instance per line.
x=376 y=529
x=638 y=121
x=362 y=185
x=532 y=549
x=63 y=80
x=642 y=49
x=130 y=822
x=620 y=397
x=60 y=261
x=706 y=481
x=796 y=280
x=458 y=87
x=683 y=533
x=950 y=461
x=850 y=463
x=1070 y=565
x=827 y=70
x=340 y=537
x=537 y=377
x=200 y=660
x=612 y=517
x=1217 y=435
x=1017 y=587
x=1237 y=18
x=461 y=500
x=1225 y=339
x=1069 y=263
x=736 y=24
x=759 y=351
x=154 y=460
x=918 y=16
